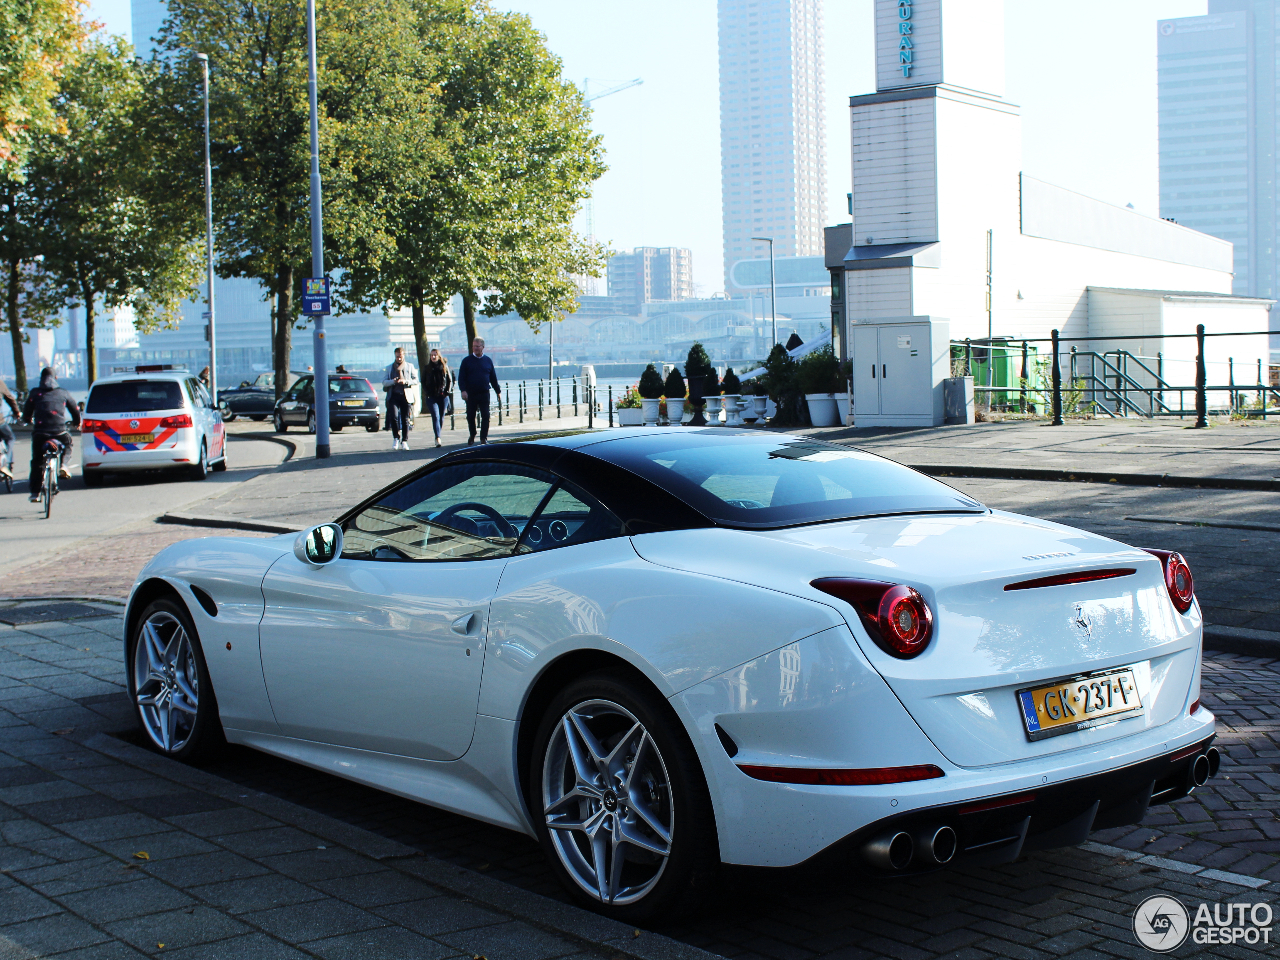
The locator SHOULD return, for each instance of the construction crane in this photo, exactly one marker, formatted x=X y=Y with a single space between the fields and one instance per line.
x=610 y=88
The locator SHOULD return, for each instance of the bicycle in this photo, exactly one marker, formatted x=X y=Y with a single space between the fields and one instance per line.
x=6 y=459
x=49 y=482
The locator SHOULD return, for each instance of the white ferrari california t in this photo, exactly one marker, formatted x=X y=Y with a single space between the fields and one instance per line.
x=663 y=650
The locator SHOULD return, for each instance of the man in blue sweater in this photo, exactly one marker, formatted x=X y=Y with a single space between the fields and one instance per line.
x=475 y=375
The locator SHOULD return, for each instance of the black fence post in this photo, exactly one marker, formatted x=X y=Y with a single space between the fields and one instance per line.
x=611 y=404
x=1024 y=376
x=1057 y=381
x=968 y=358
x=452 y=408
x=1231 y=381
x=1202 y=401
x=589 y=392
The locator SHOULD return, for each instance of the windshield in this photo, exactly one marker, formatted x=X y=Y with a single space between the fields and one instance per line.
x=134 y=396
x=771 y=481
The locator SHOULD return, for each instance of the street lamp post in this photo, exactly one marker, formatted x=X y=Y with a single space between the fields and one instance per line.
x=773 y=288
x=208 y=235
x=317 y=245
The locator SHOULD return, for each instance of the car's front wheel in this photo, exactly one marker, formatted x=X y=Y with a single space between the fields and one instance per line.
x=621 y=805
x=278 y=423
x=169 y=683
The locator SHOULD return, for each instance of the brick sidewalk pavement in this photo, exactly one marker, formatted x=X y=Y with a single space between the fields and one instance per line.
x=233 y=869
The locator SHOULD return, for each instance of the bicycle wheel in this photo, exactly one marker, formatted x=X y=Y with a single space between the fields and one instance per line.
x=46 y=489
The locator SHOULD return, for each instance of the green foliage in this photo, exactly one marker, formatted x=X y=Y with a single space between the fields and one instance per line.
x=731 y=385
x=651 y=385
x=38 y=38
x=698 y=364
x=674 y=389
x=109 y=230
x=750 y=388
x=819 y=372
x=630 y=400
x=782 y=385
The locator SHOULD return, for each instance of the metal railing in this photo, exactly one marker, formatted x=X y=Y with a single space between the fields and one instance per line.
x=1118 y=383
x=558 y=394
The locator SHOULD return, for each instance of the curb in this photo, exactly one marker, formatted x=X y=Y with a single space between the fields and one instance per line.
x=1242 y=640
x=1090 y=476
x=566 y=920
x=290 y=448
x=1227 y=524
x=226 y=523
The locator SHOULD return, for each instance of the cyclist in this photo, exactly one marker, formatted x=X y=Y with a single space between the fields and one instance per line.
x=46 y=410
x=6 y=431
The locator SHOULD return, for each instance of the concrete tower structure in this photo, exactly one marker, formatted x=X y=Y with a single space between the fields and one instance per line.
x=1218 y=132
x=772 y=136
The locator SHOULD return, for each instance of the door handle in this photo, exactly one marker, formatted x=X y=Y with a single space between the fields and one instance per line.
x=873 y=371
x=884 y=370
x=462 y=625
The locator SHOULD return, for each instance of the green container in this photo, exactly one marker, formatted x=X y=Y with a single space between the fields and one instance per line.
x=1006 y=373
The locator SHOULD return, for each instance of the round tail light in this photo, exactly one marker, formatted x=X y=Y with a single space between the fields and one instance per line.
x=1177 y=577
x=905 y=620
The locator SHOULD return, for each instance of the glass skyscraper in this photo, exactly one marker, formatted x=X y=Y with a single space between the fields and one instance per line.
x=772 y=137
x=1218 y=168
x=146 y=16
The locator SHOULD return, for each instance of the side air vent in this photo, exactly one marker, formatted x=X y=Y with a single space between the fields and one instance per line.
x=726 y=741
x=206 y=601
x=1062 y=579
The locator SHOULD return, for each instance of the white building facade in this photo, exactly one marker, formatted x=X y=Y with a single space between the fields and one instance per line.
x=945 y=224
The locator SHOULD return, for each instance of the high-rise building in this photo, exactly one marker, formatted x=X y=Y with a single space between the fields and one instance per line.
x=146 y=16
x=651 y=273
x=772 y=137
x=1218 y=138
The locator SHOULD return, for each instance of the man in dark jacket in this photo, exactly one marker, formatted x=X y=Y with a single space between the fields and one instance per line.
x=475 y=375
x=46 y=411
x=6 y=431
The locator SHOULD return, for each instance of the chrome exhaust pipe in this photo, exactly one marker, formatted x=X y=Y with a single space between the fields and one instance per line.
x=937 y=845
x=890 y=851
x=1198 y=773
x=1215 y=760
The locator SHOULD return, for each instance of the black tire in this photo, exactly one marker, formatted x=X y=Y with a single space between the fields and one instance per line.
x=691 y=869
x=311 y=422
x=200 y=469
x=335 y=429
x=221 y=465
x=277 y=421
x=257 y=417
x=372 y=427
x=204 y=736
x=93 y=478
x=47 y=487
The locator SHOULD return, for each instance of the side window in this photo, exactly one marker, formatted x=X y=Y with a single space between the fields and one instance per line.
x=306 y=391
x=193 y=396
x=468 y=511
x=570 y=517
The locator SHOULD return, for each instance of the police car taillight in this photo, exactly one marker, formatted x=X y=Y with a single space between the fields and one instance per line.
x=92 y=426
x=181 y=420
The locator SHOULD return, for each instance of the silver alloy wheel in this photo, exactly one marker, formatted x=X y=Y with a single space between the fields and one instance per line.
x=166 y=681
x=607 y=801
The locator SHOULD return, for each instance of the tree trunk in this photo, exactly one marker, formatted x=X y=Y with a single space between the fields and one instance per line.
x=283 y=327
x=90 y=348
x=469 y=317
x=15 y=326
x=420 y=338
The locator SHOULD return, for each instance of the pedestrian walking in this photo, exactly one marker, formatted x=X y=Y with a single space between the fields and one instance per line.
x=475 y=375
x=437 y=384
x=46 y=411
x=203 y=377
x=400 y=380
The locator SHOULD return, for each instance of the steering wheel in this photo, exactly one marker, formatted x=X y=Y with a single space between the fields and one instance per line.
x=503 y=524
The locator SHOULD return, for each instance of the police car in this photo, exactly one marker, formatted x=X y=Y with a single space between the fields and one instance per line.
x=157 y=417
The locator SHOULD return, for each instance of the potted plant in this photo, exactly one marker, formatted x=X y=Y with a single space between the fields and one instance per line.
x=732 y=390
x=819 y=376
x=842 y=393
x=675 y=391
x=701 y=376
x=781 y=383
x=749 y=390
x=650 y=388
x=629 y=409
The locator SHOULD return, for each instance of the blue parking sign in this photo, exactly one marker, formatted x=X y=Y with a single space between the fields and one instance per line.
x=315 y=296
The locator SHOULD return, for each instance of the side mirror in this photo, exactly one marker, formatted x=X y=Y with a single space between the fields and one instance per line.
x=319 y=545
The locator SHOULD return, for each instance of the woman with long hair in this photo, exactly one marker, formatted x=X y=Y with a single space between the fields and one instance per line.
x=437 y=382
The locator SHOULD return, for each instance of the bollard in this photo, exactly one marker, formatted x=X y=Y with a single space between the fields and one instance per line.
x=611 y=405
x=1057 y=381
x=1202 y=402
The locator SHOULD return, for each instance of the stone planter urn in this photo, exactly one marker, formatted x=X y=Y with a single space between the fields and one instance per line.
x=650 y=410
x=822 y=409
x=675 y=411
x=630 y=416
x=713 y=411
x=732 y=408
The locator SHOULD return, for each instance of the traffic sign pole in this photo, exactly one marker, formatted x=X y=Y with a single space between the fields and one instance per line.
x=317 y=248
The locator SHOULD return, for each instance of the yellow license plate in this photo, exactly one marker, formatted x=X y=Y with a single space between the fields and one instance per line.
x=136 y=437
x=1075 y=703
x=353 y=403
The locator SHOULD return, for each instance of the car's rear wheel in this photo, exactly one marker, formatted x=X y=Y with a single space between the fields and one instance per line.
x=372 y=427
x=621 y=805
x=200 y=469
x=278 y=423
x=311 y=422
x=221 y=465
x=257 y=417
x=169 y=683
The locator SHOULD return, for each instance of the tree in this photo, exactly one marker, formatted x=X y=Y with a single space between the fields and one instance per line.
x=488 y=200
x=94 y=207
x=30 y=297
x=372 y=94
x=37 y=40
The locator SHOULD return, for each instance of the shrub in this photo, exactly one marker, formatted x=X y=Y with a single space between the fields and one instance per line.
x=782 y=385
x=630 y=400
x=698 y=364
x=731 y=385
x=675 y=388
x=751 y=388
x=651 y=383
x=819 y=372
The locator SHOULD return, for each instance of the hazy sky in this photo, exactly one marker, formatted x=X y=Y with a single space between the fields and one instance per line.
x=1084 y=74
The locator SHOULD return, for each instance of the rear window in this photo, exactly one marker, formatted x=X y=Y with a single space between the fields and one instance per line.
x=771 y=481
x=349 y=385
x=134 y=396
